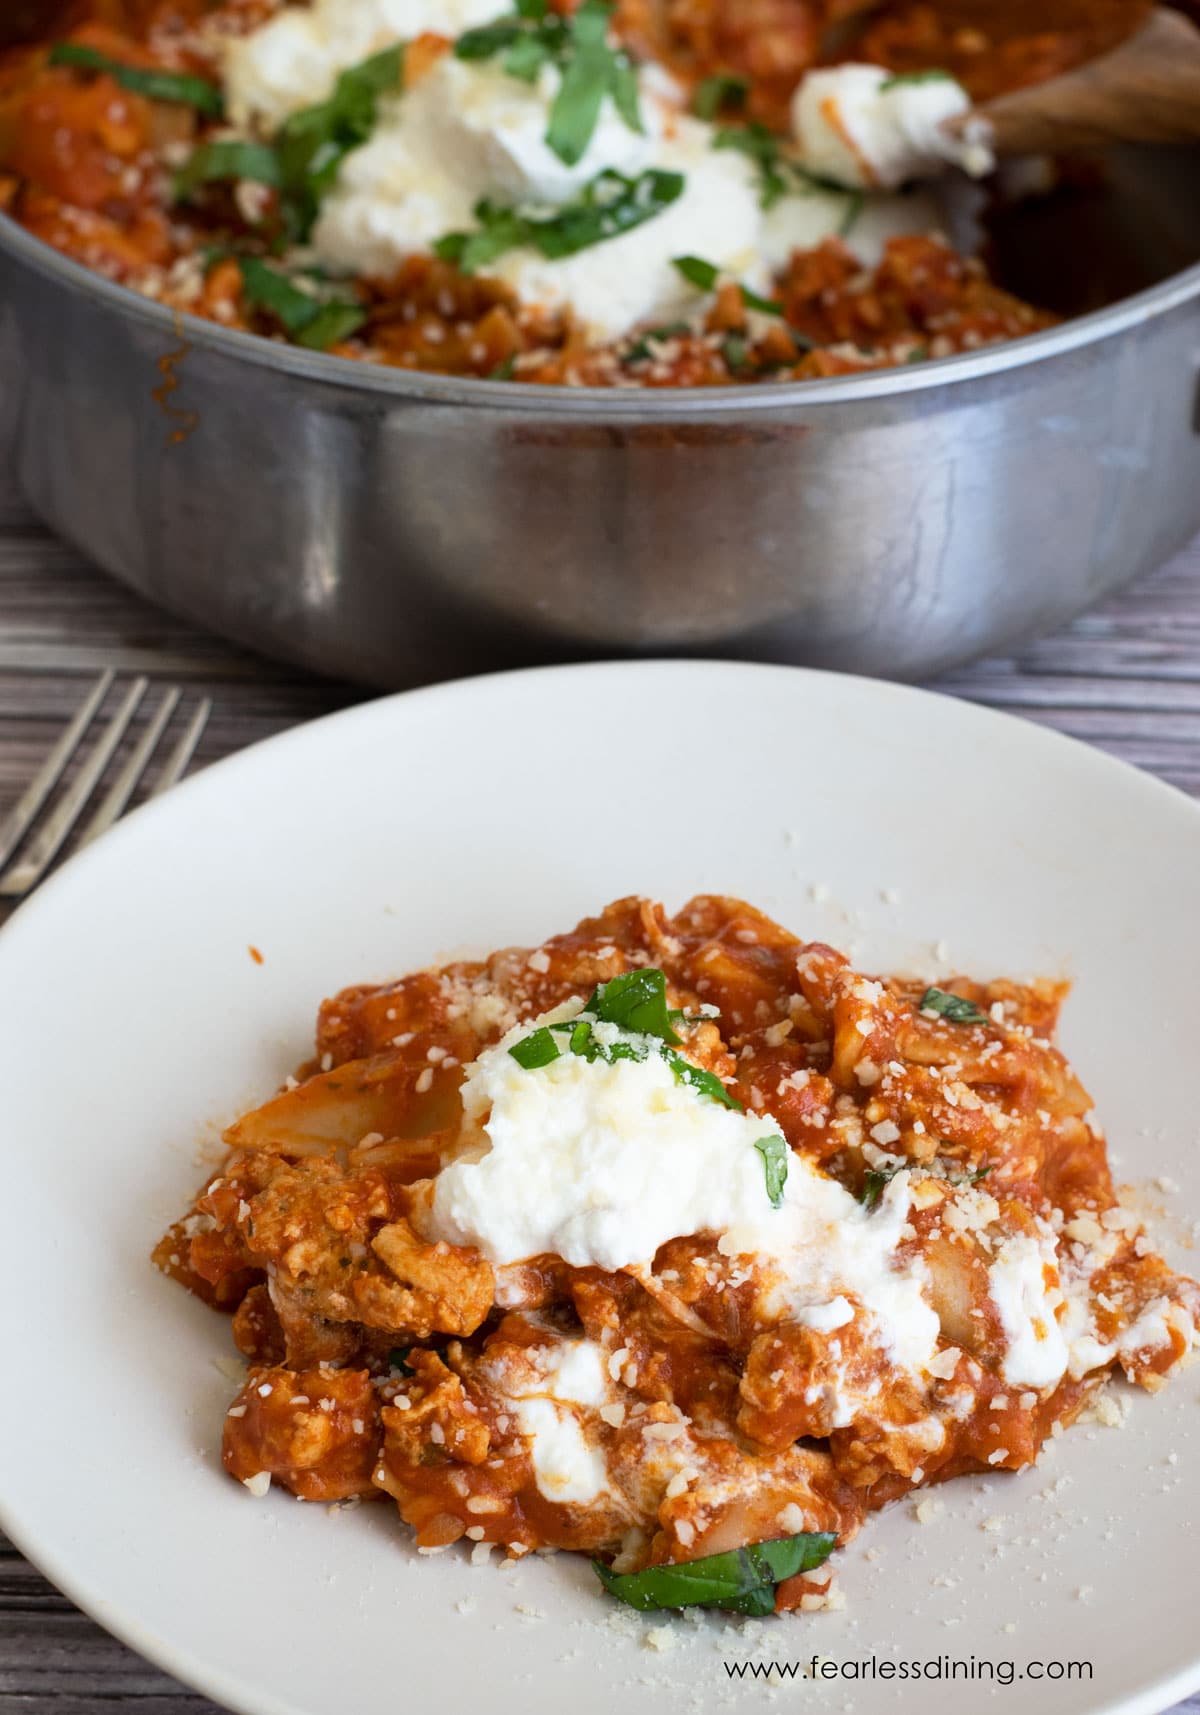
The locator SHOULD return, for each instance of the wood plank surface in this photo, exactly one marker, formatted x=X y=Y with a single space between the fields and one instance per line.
x=1125 y=678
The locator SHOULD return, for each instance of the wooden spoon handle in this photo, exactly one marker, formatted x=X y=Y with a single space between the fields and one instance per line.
x=1145 y=91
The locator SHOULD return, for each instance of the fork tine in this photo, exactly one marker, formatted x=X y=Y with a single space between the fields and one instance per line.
x=19 y=820
x=175 y=765
x=124 y=786
x=42 y=850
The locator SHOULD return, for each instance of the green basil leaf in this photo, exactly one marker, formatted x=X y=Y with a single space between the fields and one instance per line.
x=313 y=143
x=705 y=275
x=585 y=83
x=706 y=1082
x=610 y=205
x=181 y=87
x=332 y=323
x=697 y=272
x=932 y=75
x=918 y=354
x=397 y=1360
x=525 y=59
x=951 y=1006
x=505 y=370
x=765 y=306
x=535 y=9
x=876 y=1181
x=223 y=161
x=774 y=1152
x=762 y=147
x=635 y=1001
x=723 y=89
x=741 y=1579
x=735 y=349
x=536 y=1050
x=311 y=319
x=855 y=203
x=623 y=87
x=489 y=40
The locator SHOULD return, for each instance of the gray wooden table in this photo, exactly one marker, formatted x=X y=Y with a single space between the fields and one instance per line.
x=1126 y=678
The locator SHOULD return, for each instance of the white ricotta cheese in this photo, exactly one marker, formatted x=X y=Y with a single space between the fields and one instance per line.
x=800 y=221
x=614 y=286
x=295 y=58
x=468 y=130
x=858 y=125
x=599 y=1164
x=1023 y=1283
x=554 y=1379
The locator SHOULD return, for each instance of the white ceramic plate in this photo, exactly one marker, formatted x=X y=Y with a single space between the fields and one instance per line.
x=913 y=830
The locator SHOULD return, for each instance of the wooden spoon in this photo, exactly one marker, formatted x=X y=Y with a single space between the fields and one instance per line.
x=1145 y=91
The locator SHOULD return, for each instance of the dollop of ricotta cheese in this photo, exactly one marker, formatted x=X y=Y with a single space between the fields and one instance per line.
x=862 y=126
x=295 y=58
x=469 y=130
x=602 y=1163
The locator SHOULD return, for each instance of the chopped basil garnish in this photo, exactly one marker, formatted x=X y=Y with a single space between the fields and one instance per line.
x=610 y=205
x=636 y=1000
x=742 y=1580
x=951 y=1006
x=697 y=272
x=304 y=159
x=533 y=37
x=724 y=89
x=762 y=147
x=875 y=1182
x=397 y=1360
x=735 y=349
x=505 y=370
x=224 y=160
x=855 y=203
x=314 y=142
x=177 y=86
x=312 y=320
x=774 y=1152
x=918 y=354
x=592 y=71
x=707 y=1083
x=536 y=1050
x=932 y=75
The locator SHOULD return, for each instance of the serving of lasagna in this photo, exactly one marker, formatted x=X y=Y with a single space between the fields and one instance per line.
x=676 y=1242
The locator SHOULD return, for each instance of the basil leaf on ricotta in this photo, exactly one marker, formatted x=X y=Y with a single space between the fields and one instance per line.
x=953 y=1007
x=761 y=147
x=636 y=1001
x=536 y=1050
x=314 y=142
x=591 y=70
x=610 y=205
x=774 y=1152
x=742 y=1580
x=312 y=317
x=183 y=88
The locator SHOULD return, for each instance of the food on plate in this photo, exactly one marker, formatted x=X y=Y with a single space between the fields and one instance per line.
x=631 y=195
x=677 y=1242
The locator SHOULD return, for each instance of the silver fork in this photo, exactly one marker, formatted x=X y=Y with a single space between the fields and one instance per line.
x=39 y=851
